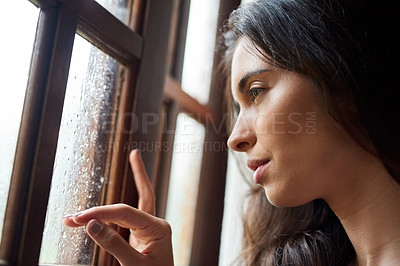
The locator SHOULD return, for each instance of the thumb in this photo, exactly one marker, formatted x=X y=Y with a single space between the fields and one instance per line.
x=107 y=238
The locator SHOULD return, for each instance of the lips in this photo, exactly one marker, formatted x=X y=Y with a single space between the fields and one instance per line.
x=258 y=166
x=254 y=164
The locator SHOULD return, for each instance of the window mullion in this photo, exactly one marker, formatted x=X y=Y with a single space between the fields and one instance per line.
x=44 y=3
x=209 y=211
x=48 y=135
x=142 y=100
x=200 y=112
x=104 y=30
x=151 y=78
x=37 y=140
x=171 y=108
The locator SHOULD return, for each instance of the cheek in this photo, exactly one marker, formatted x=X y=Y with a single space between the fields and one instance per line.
x=303 y=156
x=287 y=123
x=307 y=165
x=290 y=120
x=288 y=110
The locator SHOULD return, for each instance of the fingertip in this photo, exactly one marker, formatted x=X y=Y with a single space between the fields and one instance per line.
x=94 y=227
x=135 y=159
x=80 y=218
x=67 y=220
x=108 y=239
x=134 y=155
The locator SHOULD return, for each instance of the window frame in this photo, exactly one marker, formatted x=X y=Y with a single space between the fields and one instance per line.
x=209 y=206
x=157 y=33
x=136 y=47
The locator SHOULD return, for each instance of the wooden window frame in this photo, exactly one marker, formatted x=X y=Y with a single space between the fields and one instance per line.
x=137 y=47
x=210 y=199
x=211 y=195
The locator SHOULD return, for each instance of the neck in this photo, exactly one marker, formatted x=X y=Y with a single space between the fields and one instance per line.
x=372 y=220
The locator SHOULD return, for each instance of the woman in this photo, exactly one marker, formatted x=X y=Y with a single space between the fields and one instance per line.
x=332 y=184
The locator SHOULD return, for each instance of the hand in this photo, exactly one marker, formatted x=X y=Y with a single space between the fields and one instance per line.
x=150 y=238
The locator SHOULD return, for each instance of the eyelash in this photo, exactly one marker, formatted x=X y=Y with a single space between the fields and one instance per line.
x=254 y=93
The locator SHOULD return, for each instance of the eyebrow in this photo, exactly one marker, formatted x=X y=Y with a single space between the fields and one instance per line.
x=244 y=80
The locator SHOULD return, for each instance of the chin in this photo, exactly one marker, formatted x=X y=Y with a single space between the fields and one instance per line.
x=281 y=199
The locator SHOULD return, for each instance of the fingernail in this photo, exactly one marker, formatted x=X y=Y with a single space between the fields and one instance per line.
x=74 y=215
x=77 y=214
x=95 y=228
x=139 y=153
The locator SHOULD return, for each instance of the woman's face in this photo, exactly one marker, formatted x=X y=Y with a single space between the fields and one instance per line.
x=296 y=149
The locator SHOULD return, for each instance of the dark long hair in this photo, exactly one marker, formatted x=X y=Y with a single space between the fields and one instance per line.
x=350 y=51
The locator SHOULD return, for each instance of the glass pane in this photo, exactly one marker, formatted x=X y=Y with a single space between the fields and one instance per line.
x=81 y=164
x=199 y=49
x=238 y=181
x=189 y=135
x=119 y=8
x=18 y=20
x=184 y=181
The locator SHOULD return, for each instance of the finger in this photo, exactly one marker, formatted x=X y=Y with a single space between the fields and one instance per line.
x=143 y=183
x=112 y=242
x=120 y=214
x=68 y=221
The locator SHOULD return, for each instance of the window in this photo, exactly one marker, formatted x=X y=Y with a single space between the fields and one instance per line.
x=189 y=135
x=209 y=111
x=104 y=78
x=84 y=148
x=75 y=110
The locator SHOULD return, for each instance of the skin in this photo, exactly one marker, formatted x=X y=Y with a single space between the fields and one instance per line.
x=306 y=161
x=304 y=166
x=150 y=237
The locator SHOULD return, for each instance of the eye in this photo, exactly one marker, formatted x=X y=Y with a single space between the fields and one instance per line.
x=254 y=93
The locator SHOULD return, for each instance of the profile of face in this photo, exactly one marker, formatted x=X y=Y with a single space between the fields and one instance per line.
x=298 y=152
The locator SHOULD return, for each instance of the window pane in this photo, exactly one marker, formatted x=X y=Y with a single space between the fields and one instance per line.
x=189 y=135
x=238 y=181
x=119 y=8
x=199 y=49
x=18 y=20
x=81 y=164
x=184 y=182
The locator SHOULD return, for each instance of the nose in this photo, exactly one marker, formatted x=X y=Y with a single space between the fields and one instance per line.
x=242 y=136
